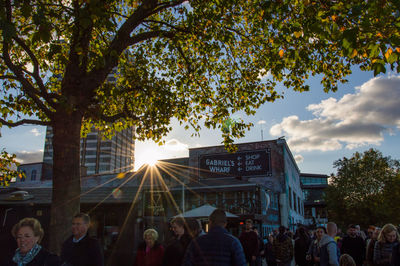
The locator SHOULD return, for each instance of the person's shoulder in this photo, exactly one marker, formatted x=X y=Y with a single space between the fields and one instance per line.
x=46 y=257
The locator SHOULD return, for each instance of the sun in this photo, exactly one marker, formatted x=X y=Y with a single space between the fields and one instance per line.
x=150 y=155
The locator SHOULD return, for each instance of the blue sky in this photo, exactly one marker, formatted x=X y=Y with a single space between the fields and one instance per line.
x=319 y=127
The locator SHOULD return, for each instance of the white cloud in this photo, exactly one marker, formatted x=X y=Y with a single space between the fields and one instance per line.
x=353 y=121
x=175 y=145
x=35 y=132
x=29 y=156
x=261 y=122
x=298 y=158
x=264 y=74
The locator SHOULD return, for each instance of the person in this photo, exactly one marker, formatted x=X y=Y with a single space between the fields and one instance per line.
x=175 y=250
x=269 y=251
x=388 y=240
x=80 y=249
x=301 y=245
x=369 y=257
x=313 y=251
x=217 y=248
x=150 y=252
x=260 y=247
x=249 y=240
x=346 y=260
x=194 y=227
x=283 y=248
x=28 y=233
x=329 y=252
x=354 y=245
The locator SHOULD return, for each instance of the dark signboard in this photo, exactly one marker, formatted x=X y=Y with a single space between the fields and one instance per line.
x=250 y=163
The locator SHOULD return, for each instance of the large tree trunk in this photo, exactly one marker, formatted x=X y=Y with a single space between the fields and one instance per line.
x=66 y=176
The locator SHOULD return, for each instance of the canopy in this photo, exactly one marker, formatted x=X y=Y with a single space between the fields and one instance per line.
x=203 y=211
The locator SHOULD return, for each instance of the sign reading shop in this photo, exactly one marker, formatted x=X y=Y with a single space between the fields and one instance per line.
x=250 y=163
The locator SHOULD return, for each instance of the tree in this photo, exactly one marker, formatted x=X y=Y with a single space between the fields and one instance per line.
x=189 y=60
x=7 y=168
x=364 y=189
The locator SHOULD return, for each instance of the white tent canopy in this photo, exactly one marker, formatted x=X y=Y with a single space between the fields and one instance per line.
x=203 y=212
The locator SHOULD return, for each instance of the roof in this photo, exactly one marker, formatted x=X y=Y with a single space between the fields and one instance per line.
x=89 y=195
x=225 y=184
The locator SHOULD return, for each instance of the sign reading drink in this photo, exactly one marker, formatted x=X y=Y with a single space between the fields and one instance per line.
x=238 y=164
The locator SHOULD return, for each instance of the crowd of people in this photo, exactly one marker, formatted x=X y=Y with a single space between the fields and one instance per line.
x=325 y=245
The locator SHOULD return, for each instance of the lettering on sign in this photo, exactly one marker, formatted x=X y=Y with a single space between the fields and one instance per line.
x=239 y=164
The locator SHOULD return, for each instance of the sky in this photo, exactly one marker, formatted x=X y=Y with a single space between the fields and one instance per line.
x=319 y=127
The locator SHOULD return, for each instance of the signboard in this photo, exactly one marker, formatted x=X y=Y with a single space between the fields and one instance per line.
x=251 y=163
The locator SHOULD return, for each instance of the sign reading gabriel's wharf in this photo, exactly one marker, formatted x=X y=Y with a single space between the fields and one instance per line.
x=251 y=163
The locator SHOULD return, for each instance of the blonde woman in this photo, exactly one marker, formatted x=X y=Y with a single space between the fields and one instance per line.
x=388 y=240
x=150 y=252
x=28 y=233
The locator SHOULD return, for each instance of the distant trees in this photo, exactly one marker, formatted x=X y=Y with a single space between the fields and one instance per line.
x=365 y=190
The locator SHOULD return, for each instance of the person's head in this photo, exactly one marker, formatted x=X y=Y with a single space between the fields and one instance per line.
x=346 y=260
x=80 y=225
x=282 y=229
x=331 y=229
x=218 y=218
x=28 y=232
x=178 y=226
x=370 y=230
x=248 y=224
x=150 y=237
x=320 y=232
x=352 y=230
x=388 y=234
x=271 y=238
x=376 y=233
x=194 y=227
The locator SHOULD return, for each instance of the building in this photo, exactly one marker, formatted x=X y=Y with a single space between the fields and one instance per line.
x=260 y=181
x=313 y=185
x=99 y=155
x=33 y=173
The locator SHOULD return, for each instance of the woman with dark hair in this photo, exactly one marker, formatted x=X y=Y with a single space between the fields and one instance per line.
x=28 y=233
x=313 y=251
x=388 y=240
x=176 y=249
x=301 y=245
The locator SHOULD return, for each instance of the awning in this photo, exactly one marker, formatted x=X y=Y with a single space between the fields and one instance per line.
x=203 y=211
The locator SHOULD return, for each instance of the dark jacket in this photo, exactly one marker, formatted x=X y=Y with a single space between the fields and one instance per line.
x=355 y=247
x=175 y=250
x=301 y=246
x=86 y=252
x=153 y=258
x=249 y=241
x=217 y=248
x=269 y=254
x=43 y=258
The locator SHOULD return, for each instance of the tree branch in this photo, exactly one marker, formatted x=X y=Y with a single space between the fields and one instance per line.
x=17 y=70
x=24 y=121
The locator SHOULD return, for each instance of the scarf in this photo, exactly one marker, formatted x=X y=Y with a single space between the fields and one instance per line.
x=22 y=260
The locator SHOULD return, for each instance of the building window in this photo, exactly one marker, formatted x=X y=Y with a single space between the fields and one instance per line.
x=33 y=175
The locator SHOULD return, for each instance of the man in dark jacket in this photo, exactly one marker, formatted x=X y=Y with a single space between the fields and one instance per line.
x=80 y=249
x=218 y=247
x=249 y=240
x=354 y=245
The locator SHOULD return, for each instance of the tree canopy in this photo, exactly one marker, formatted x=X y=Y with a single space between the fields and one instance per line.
x=364 y=189
x=72 y=64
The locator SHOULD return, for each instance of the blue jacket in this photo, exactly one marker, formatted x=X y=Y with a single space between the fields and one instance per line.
x=217 y=248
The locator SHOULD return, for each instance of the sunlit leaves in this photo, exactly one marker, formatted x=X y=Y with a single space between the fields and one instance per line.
x=8 y=170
